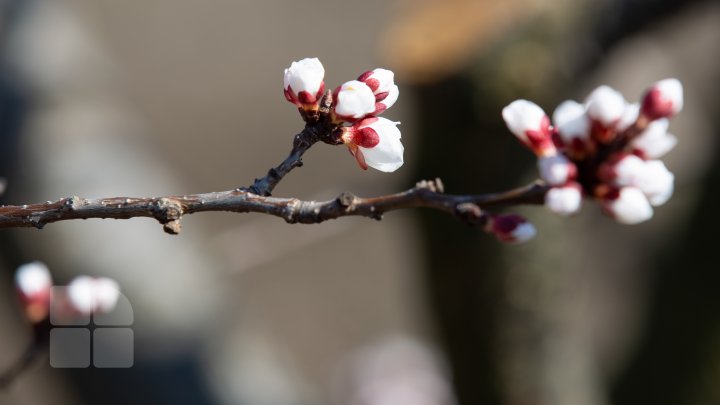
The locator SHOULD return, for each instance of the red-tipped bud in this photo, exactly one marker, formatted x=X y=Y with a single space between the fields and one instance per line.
x=663 y=100
x=529 y=123
x=511 y=228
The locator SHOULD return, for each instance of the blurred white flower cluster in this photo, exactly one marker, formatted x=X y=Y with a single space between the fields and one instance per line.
x=84 y=295
x=605 y=148
x=372 y=140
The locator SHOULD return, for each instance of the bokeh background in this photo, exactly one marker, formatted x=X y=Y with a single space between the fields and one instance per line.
x=156 y=97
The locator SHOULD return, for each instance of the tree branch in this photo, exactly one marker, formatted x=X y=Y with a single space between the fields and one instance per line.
x=169 y=210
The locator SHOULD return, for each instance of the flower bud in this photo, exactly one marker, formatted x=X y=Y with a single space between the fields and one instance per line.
x=511 y=228
x=564 y=200
x=375 y=142
x=655 y=141
x=628 y=205
x=529 y=123
x=606 y=106
x=33 y=283
x=664 y=99
x=303 y=83
x=556 y=169
x=573 y=126
x=381 y=82
x=353 y=101
x=657 y=182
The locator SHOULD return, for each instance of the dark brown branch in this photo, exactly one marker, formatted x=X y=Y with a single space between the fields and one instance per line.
x=169 y=210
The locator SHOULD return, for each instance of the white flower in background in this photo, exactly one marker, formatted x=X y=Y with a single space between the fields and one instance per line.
x=32 y=279
x=353 y=101
x=629 y=117
x=529 y=123
x=655 y=141
x=303 y=83
x=375 y=142
x=557 y=169
x=382 y=83
x=664 y=99
x=564 y=200
x=606 y=106
x=627 y=205
x=511 y=228
x=33 y=282
x=89 y=295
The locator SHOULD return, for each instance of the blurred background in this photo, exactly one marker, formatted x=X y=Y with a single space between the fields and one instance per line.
x=146 y=98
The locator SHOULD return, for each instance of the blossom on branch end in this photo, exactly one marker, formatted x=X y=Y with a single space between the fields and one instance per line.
x=605 y=148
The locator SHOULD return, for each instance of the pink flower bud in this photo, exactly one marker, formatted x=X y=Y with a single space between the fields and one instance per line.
x=375 y=142
x=628 y=205
x=564 y=200
x=353 y=101
x=511 y=228
x=655 y=141
x=381 y=82
x=303 y=83
x=34 y=282
x=89 y=295
x=663 y=100
x=557 y=169
x=529 y=123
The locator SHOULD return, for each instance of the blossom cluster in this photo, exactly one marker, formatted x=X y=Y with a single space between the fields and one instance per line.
x=84 y=295
x=605 y=148
x=373 y=141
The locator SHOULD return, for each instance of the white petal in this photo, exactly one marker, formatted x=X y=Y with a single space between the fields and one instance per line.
x=564 y=200
x=355 y=99
x=386 y=79
x=629 y=170
x=571 y=121
x=655 y=142
x=605 y=105
x=657 y=182
x=81 y=293
x=629 y=117
x=556 y=169
x=107 y=293
x=33 y=278
x=631 y=207
x=386 y=156
x=672 y=90
x=524 y=232
x=393 y=94
x=305 y=75
x=521 y=116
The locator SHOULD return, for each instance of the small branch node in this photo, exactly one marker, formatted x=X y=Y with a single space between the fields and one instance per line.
x=346 y=199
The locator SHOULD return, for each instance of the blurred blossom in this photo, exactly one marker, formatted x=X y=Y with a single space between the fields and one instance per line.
x=396 y=371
